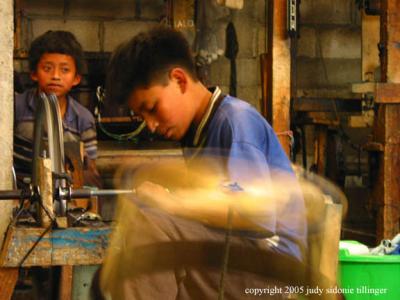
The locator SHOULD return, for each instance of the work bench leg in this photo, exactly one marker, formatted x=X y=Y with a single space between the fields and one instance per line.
x=8 y=280
x=66 y=283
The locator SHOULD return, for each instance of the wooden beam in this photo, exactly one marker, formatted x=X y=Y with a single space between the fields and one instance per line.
x=8 y=280
x=66 y=283
x=326 y=105
x=387 y=125
x=387 y=187
x=70 y=246
x=387 y=93
x=370 y=26
x=363 y=88
x=280 y=72
x=383 y=92
x=320 y=149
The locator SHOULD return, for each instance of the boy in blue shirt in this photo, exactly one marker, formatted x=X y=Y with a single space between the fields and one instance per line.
x=156 y=75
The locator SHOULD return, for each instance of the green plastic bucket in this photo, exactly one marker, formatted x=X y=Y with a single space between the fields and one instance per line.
x=369 y=276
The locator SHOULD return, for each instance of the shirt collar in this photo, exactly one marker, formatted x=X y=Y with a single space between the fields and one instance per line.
x=207 y=114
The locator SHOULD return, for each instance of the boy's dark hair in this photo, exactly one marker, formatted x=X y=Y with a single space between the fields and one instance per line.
x=63 y=42
x=146 y=59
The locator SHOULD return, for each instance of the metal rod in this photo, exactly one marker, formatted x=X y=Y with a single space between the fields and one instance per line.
x=77 y=193
x=85 y=193
x=10 y=194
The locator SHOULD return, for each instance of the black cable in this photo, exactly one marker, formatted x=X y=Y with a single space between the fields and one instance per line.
x=53 y=222
x=226 y=254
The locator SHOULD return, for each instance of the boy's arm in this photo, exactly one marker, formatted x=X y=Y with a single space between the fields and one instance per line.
x=210 y=206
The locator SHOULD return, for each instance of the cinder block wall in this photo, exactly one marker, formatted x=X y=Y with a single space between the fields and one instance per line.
x=329 y=57
x=329 y=48
x=250 y=25
x=101 y=25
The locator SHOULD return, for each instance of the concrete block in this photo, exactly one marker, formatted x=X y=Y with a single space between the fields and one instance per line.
x=339 y=73
x=102 y=8
x=248 y=71
x=248 y=10
x=153 y=9
x=307 y=42
x=343 y=72
x=85 y=31
x=309 y=73
x=325 y=11
x=247 y=35
x=262 y=40
x=341 y=42
x=117 y=32
x=260 y=11
x=250 y=94
x=220 y=72
x=43 y=7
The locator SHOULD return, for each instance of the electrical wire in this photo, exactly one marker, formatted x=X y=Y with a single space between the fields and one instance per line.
x=100 y=95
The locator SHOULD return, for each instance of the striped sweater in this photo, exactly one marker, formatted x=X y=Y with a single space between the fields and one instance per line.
x=78 y=125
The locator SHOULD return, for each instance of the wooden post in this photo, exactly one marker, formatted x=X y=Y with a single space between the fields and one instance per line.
x=8 y=279
x=387 y=126
x=66 y=282
x=320 y=149
x=280 y=72
x=370 y=39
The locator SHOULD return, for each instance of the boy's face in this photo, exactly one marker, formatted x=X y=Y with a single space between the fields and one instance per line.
x=166 y=109
x=56 y=73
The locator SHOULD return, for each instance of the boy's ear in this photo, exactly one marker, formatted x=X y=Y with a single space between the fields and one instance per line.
x=180 y=76
x=77 y=80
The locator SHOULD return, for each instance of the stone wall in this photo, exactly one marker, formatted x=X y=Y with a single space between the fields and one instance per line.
x=329 y=48
x=6 y=112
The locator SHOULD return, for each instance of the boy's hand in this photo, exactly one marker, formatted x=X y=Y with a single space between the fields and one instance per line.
x=157 y=196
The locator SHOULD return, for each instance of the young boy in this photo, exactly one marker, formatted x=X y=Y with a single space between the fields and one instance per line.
x=56 y=63
x=155 y=73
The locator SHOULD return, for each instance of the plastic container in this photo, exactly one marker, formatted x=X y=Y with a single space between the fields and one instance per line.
x=369 y=276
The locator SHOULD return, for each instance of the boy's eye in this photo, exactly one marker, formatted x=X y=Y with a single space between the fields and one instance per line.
x=65 y=70
x=46 y=68
x=153 y=109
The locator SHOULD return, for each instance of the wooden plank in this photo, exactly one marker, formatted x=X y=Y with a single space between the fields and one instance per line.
x=320 y=149
x=387 y=93
x=393 y=38
x=71 y=246
x=65 y=292
x=326 y=104
x=46 y=191
x=373 y=147
x=330 y=242
x=363 y=88
x=8 y=280
x=75 y=152
x=121 y=119
x=370 y=26
x=280 y=72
